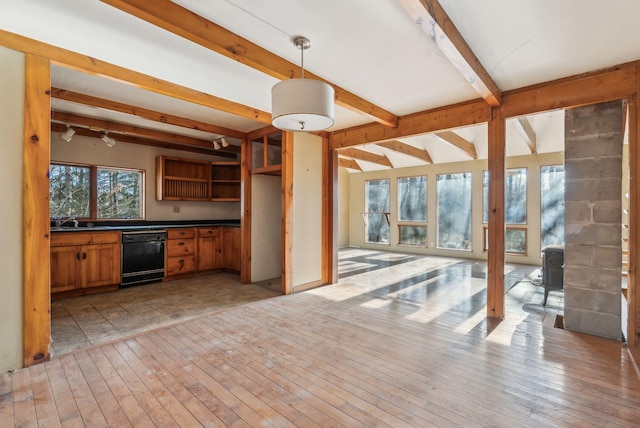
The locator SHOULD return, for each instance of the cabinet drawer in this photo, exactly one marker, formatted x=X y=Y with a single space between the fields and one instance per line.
x=180 y=265
x=84 y=238
x=181 y=233
x=179 y=247
x=208 y=231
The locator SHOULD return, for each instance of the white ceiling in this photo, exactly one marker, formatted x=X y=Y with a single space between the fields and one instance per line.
x=368 y=47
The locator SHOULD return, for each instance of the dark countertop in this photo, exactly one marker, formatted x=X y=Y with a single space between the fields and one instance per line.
x=141 y=225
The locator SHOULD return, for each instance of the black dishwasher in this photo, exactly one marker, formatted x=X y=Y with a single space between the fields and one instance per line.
x=142 y=257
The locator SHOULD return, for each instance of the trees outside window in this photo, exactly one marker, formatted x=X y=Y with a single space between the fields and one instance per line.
x=412 y=209
x=552 y=205
x=515 y=196
x=376 y=216
x=454 y=210
x=92 y=192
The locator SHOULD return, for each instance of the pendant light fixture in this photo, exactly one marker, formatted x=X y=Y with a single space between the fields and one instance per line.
x=302 y=104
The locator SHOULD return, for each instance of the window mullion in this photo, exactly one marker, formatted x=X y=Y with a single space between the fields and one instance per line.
x=93 y=204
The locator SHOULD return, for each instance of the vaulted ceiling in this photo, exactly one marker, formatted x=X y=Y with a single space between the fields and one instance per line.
x=386 y=58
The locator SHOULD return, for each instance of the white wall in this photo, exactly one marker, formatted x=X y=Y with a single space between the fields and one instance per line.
x=532 y=162
x=266 y=227
x=93 y=151
x=11 y=288
x=343 y=207
x=307 y=209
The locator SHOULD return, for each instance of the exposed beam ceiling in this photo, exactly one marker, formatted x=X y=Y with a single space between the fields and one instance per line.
x=59 y=127
x=407 y=149
x=349 y=163
x=458 y=142
x=89 y=100
x=526 y=132
x=178 y=20
x=435 y=23
x=96 y=67
x=366 y=156
x=124 y=129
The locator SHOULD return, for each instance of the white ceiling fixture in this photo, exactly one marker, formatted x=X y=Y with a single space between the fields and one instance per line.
x=108 y=140
x=68 y=134
x=302 y=104
x=220 y=142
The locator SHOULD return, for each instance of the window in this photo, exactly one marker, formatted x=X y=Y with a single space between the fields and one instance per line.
x=552 y=205
x=94 y=192
x=376 y=216
x=412 y=208
x=515 y=196
x=515 y=239
x=454 y=211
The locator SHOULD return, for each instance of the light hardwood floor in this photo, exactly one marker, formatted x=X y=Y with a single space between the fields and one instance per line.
x=406 y=344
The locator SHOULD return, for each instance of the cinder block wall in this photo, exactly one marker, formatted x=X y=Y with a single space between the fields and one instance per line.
x=593 y=212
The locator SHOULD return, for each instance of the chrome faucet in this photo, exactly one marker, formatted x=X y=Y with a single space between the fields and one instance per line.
x=60 y=222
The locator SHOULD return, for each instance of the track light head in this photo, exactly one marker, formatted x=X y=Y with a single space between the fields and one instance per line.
x=68 y=134
x=216 y=144
x=108 y=140
x=224 y=142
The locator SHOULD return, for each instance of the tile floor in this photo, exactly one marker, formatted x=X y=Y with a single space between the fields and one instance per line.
x=81 y=322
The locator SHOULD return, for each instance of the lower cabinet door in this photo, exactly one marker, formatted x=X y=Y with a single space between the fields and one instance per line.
x=180 y=265
x=100 y=265
x=209 y=253
x=66 y=268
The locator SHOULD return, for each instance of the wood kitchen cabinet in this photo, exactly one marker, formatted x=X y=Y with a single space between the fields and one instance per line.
x=231 y=248
x=181 y=252
x=84 y=261
x=210 y=254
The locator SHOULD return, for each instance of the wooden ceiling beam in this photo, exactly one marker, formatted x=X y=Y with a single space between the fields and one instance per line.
x=93 y=66
x=407 y=149
x=526 y=132
x=424 y=122
x=76 y=97
x=460 y=143
x=59 y=127
x=366 y=156
x=123 y=129
x=184 y=23
x=435 y=23
x=349 y=163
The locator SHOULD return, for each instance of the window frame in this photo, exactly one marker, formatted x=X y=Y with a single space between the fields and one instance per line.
x=526 y=211
x=522 y=227
x=413 y=223
x=469 y=246
x=366 y=214
x=564 y=213
x=93 y=190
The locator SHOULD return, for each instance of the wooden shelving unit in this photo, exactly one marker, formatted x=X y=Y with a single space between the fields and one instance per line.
x=225 y=181
x=182 y=179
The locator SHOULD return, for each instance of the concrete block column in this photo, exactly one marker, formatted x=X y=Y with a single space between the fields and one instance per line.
x=593 y=213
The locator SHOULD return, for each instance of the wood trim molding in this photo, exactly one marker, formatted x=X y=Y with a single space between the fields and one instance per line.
x=329 y=213
x=184 y=23
x=458 y=142
x=407 y=149
x=523 y=126
x=35 y=205
x=366 y=156
x=97 y=67
x=436 y=24
x=76 y=97
x=287 y=212
x=245 y=209
x=425 y=122
x=633 y=294
x=495 y=253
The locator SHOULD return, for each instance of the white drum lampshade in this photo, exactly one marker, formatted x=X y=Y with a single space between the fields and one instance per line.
x=302 y=105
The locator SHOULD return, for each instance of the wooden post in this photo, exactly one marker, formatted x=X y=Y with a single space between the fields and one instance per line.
x=36 y=263
x=495 y=262
x=287 y=212
x=329 y=213
x=633 y=297
x=245 y=209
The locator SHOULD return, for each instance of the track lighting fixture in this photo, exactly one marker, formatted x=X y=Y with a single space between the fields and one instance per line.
x=220 y=142
x=68 y=134
x=108 y=140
